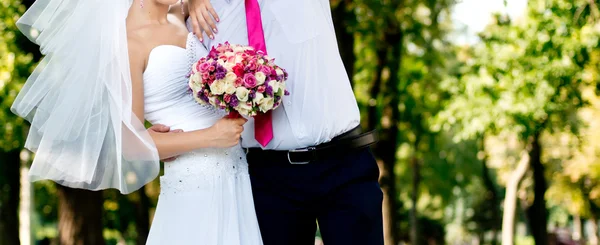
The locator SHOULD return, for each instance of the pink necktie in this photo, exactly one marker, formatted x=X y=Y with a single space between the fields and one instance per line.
x=263 y=125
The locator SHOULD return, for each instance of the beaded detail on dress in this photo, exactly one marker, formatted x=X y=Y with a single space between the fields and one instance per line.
x=199 y=169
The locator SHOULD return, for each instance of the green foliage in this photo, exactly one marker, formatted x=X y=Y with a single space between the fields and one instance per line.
x=523 y=77
x=15 y=66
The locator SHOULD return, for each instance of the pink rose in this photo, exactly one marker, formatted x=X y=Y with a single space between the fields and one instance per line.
x=251 y=52
x=249 y=80
x=238 y=82
x=265 y=69
x=231 y=59
x=227 y=98
x=252 y=66
x=203 y=67
x=211 y=68
x=238 y=70
x=261 y=89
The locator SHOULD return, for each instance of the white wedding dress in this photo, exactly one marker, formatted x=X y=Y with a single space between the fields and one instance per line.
x=205 y=196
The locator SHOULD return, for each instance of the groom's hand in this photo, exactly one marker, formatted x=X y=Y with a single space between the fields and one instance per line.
x=203 y=18
x=159 y=128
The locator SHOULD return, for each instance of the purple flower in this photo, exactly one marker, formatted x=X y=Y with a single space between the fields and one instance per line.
x=220 y=72
x=202 y=96
x=252 y=95
x=269 y=90
x=286 y=93
x=234 y=101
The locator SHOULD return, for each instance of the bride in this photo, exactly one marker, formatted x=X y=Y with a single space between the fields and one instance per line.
x=109 y=64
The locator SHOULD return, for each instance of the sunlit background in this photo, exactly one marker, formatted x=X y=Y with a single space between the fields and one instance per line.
x=488 y=111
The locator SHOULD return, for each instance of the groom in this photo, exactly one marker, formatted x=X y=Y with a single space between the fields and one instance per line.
x=317 y=168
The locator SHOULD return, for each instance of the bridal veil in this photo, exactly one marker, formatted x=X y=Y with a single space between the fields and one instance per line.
x=78 y=100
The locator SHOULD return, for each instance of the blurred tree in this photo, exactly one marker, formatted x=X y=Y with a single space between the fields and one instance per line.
x=525 y=78
x=79 y=217
x=18 y=57
x=15 y=65
x=344 y=21
x=401 y=45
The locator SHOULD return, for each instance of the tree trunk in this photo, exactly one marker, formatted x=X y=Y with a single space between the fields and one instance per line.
x=510 y=200
x=341 y=18
x=577 y=228
x=491 y=194
x=414 y=220
x=80 y=216
x=593 y=236
x=537 y=212
x=10 y=187
x=373 y=119
x=388 y=145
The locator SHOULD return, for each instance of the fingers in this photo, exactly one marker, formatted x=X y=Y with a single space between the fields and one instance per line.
x=160 y=128
x=241 y=121
x=196 y=26
x=203 y=24
x=213 y=12
x=209 y=20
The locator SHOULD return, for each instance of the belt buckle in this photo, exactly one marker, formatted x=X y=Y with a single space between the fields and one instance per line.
x=299 y=150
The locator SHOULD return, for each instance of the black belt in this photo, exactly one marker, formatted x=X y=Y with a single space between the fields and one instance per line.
x=351 y=140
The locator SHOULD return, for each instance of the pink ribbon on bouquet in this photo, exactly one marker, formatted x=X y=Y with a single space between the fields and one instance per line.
x=263 y=123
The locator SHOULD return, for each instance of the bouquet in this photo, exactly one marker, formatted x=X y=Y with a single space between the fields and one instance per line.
x=238 y=79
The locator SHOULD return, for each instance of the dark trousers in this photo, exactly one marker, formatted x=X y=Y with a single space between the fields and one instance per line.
x=342 y=194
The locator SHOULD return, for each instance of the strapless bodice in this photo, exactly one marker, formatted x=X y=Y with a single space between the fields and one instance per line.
x=167 y=99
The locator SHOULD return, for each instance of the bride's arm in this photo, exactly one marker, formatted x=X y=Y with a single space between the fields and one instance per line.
x=225 y=133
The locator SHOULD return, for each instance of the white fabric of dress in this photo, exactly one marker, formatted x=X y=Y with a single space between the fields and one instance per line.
x=205 y=196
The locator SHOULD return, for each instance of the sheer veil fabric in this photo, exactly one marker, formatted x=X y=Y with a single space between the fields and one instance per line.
x=78 y=100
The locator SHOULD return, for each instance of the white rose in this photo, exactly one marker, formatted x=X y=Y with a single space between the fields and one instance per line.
x=239 y=49
x=195 y=87
x=279 y=71
x=258 y=98
x=260 y=78
x=266 y=104
x=242 y=94
x=229 y=87
x=221 y=62
x=244 y=109
x=217 y=87
x=229 y=53
x=196 y=78
x=238 y=58
x=212 y=100
x=230 y=77
x=261 y=61
x=229 y=65
x=275 y=85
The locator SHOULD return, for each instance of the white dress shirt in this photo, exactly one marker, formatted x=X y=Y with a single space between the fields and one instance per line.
x=300 y=36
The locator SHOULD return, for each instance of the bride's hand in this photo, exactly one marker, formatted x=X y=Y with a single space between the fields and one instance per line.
x=203 y=17
x=227 y=132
